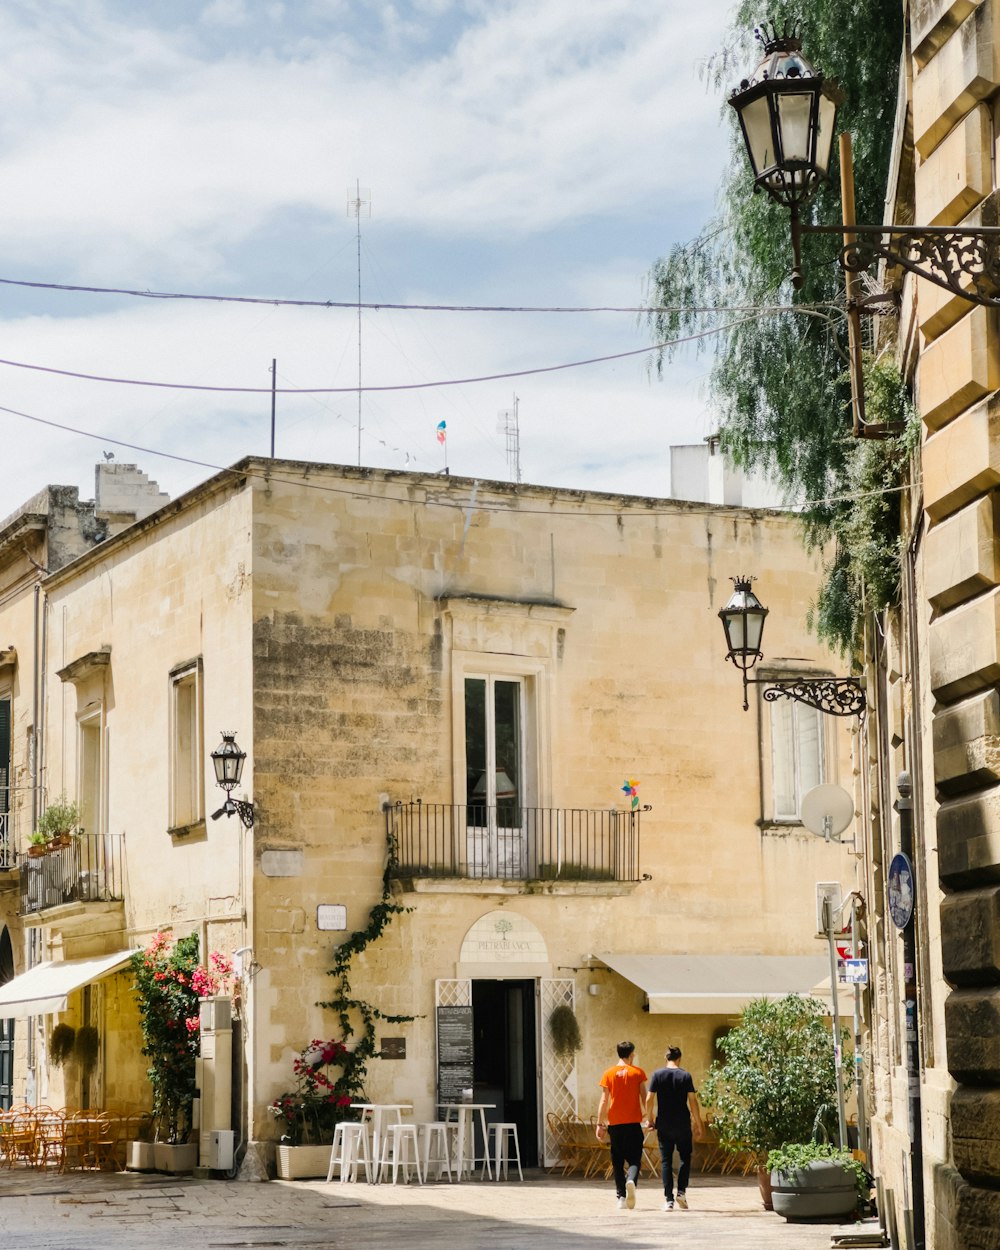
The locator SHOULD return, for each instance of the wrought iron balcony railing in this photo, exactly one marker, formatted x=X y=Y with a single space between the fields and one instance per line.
x=514 y=843
x=89 y=870
x=8 y=859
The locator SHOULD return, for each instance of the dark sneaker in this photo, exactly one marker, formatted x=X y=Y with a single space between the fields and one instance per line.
x=630 y=1194
x=668 y=1205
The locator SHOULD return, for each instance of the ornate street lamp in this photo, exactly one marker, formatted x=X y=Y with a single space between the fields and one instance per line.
x=743 y=620
x=787 y=112
x=228 y=761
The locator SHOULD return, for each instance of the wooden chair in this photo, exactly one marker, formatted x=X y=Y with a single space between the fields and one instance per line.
x=23 y=1129
x=49 y=1133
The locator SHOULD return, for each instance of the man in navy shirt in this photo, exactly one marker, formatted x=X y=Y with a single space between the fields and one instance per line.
x=676 y=1103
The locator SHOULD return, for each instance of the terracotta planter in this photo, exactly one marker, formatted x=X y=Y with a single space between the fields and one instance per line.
x=764 y=1182
x=36 y=850
x=179 y=1158
x=298 y=1162
x=140 y=1156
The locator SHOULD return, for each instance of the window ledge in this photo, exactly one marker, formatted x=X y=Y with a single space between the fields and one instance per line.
x=781 y=828
x=184 y=833
x=467 y=885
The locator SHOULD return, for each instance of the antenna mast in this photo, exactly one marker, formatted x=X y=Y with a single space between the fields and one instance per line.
x=508 y=426
x=356 y=204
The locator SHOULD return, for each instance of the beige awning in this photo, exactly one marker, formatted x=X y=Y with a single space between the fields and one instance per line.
x=718 y=985
x=45 y=988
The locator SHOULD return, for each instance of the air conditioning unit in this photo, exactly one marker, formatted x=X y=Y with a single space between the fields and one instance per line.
x=217 y=1149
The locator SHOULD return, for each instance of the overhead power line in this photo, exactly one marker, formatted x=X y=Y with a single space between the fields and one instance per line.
x=354 y=304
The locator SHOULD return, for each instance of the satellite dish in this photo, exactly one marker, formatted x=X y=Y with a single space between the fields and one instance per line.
x=827 y=811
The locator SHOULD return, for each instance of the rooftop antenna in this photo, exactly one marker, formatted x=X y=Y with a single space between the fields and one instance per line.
x=507 y=425
x=358 y=203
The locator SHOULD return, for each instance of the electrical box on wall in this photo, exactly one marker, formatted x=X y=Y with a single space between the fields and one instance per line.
x=219 y=1152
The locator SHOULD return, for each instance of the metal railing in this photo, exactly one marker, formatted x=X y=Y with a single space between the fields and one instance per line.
x=514 y=843
x=8 y=859
x=89 y=870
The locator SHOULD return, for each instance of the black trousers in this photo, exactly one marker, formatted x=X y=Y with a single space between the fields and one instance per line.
x=626 y=1151
x=672 y=1139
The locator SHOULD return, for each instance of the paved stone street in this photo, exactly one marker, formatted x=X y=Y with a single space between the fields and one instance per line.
x=140 y=1212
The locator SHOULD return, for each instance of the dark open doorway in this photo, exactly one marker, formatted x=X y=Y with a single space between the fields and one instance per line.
x=6 y=1027
x=505 y=1057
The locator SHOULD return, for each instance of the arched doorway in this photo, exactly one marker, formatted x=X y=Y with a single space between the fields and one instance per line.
x=6 y=1026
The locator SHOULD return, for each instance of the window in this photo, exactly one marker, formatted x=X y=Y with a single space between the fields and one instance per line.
x=797 y=756
x=91 y=765
x=187 y=789
x=494 y=761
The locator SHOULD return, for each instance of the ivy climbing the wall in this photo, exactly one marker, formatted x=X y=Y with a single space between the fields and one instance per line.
x=349 y=1009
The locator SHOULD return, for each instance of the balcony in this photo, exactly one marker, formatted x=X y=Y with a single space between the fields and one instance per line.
x=8 y=859
x=89 y=870
x=510 y=843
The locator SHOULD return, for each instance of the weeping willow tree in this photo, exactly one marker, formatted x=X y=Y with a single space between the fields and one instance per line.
x=779 y=383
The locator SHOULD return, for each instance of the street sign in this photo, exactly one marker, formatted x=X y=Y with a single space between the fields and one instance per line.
x=854 y=972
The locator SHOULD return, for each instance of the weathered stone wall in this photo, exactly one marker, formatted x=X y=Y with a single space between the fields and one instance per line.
x=956 y=97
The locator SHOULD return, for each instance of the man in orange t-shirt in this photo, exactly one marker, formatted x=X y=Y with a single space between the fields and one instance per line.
x=619 y=1114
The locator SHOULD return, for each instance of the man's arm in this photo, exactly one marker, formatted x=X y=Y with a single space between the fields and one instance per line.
x=695 y=1110
x=648 y=1113
x=602 y=1107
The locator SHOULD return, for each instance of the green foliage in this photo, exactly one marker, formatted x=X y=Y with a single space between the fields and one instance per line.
x=61 y=1044
x=355 y=1062
x=310 y=1112
x=565 y=1030
x=778 y=381
x=87 y=1048
x=777 y=1072
x=169 y=981
x=792 y=1159
x=61 y=816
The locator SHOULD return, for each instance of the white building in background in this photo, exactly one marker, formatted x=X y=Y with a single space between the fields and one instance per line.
x=702 y=473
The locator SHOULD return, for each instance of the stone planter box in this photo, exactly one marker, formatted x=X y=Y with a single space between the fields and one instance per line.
x=179 y=1158
x=822 y=1189
x=139 y=1156
x=299 y=1162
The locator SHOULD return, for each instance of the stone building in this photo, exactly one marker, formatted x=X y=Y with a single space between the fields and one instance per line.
x=470 y=672
x=935 y=666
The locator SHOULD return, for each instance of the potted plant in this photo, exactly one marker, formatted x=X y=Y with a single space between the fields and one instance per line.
x=565 y=1030
x=777 y=1073
x=169 y=983
x=815 y=1180
x=58 y=823
x=61 y=1044
x=38 y=844
x=309 y=1112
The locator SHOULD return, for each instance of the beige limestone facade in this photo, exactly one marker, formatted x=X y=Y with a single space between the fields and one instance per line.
x=934 y=668
x=473 y=671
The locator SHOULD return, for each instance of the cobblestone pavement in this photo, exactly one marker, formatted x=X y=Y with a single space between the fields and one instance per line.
x=147 y=1212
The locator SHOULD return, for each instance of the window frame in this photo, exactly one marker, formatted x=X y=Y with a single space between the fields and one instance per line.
x=826 y=759
x=186 y=680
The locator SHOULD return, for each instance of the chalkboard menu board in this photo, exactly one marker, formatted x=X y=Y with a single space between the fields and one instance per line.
x=454 y=1033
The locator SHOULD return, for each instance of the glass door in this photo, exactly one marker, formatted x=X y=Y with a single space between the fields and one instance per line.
x=494 y=768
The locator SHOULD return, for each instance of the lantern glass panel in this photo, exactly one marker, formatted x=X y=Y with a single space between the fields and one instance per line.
x=825 y=132
x=795 y=112
x=756 y=118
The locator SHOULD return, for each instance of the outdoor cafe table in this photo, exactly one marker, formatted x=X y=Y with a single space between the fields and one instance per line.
x=466 y=1147
x=377 y=1114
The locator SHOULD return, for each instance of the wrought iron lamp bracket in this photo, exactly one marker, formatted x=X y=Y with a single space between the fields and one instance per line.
x=964 y=261
x=236 y=807
x=835 y=696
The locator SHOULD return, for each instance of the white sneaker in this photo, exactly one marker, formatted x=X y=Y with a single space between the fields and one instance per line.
x=682 y=1202
x=630 y=1194
x=621 y=1204
x=668 y=1205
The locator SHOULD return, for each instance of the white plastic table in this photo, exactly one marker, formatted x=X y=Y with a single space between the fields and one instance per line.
x=466 y=1145
x=377 y=1114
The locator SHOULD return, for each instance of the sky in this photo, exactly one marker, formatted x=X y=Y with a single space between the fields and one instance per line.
x=508 y=153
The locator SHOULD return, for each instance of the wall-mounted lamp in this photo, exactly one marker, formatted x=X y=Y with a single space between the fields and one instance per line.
x=743 y=621
x=228 y=760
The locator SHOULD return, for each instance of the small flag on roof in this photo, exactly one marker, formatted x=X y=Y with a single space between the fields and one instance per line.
x=442 y=426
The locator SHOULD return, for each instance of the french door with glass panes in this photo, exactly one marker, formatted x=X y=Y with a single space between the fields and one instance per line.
x=494 y=770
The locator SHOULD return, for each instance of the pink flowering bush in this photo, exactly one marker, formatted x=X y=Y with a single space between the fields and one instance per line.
x=169 y=981
x=308 y=1113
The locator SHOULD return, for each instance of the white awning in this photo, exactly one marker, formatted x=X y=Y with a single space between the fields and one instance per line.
x=719 y=985
x=45 y=988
